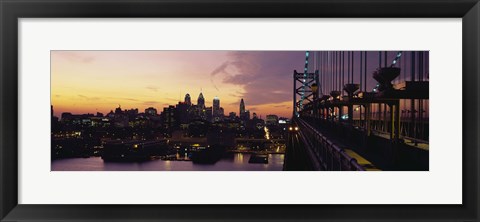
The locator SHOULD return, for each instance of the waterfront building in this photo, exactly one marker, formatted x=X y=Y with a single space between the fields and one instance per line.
x=272 y=120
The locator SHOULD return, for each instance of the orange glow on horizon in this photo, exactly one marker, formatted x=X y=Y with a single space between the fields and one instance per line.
x=100 y=81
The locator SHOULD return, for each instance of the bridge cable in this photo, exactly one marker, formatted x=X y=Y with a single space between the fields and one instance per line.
x=304 y=85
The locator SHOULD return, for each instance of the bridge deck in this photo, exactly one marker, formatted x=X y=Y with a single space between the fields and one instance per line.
x=375 y=152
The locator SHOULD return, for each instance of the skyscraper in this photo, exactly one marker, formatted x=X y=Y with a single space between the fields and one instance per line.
x=216 y=106
x=169 y=118
x=188 y=100
x=183 y=110
x=242 y=107
x=217 y=110
x=244 y=114
x=201 y=101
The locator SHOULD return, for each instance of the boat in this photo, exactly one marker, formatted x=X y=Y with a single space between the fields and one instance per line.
x=257 y=158
x=209 y=155
x=131 y=151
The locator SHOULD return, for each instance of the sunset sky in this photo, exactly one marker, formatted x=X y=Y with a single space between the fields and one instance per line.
x=99 y=81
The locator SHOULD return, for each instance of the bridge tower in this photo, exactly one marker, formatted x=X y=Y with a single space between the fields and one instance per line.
x=303 y=84
x=307 y=89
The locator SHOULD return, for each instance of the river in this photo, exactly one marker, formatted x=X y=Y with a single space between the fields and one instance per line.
x=234 y=162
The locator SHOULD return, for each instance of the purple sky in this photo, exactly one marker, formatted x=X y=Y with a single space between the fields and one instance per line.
x=91 y=81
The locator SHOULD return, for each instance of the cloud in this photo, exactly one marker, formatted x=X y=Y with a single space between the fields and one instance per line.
x=220 y=69
x=171 y=99
x=265 y=76
x=129 y=99
x=235 y=103
x=214 y=85
x=153 y=88
x=239 y=79
x=89 y=98
x=123 y=98
x=234 y=95
x=150 y=103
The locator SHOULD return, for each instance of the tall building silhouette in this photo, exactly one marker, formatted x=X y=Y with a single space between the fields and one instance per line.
x=188 y=100
x=201 y=101
x=216 y=106
x=217 y=111
x=242 y=107
x=244 y=114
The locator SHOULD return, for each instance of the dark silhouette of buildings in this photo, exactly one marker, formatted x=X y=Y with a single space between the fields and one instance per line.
x=242 y=108
x=151 y=111
x=184 y=118
x=244 y=114
x=169 y=117
x=217 y=111
x=188 y=100
x=201 y=101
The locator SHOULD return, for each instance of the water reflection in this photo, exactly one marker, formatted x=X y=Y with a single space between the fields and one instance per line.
x=233 y=162
x=238 y=158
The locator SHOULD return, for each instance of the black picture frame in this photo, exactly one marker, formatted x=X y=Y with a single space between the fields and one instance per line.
x=12 y=10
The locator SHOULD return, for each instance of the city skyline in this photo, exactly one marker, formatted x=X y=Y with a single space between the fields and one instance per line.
x=97 y=81
x=352 y=110
x=216 y=108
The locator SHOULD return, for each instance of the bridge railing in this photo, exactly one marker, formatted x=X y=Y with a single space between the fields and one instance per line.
x=331 y=156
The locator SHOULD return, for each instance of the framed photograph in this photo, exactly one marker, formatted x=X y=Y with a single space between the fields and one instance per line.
x=227 y=110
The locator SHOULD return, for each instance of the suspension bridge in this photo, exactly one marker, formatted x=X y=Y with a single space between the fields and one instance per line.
x=360 y=110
